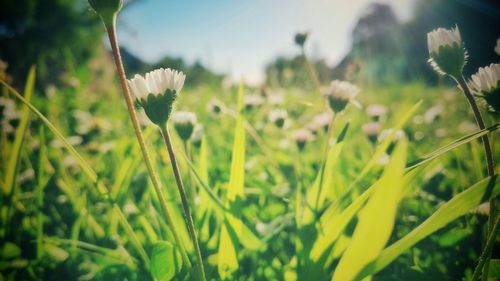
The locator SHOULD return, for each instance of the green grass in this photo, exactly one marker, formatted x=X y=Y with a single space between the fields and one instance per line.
x=261 y=211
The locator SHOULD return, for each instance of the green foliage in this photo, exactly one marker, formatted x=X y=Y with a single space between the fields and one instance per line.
x=97 y=217
x=55 y=35
x=166 y=261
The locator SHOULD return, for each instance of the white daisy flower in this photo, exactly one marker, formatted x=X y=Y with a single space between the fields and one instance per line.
x=497 y=47
x=157 y=91
x=276 y=98
x=386 y=133
x=198 y=133
x=156 y=82
x=446 y=51
x=486 y=83
x=214 y=106
x=340 y=93
x=433 y=113
x=320 y=122
x=376 y=111
x=278 y=117
x=371 y=131
x=443 y=37
x=301 y=137
x=184 y=122
x=252 y=101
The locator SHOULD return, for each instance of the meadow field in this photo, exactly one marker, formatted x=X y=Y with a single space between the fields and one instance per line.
x=278 y=182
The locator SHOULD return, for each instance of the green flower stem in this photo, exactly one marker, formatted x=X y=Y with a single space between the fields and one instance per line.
x=312 y=71
x=185 y=204
x=489 y=161
x=486 y=253
x=137 y=129
x=325 y=158
x=187 y=148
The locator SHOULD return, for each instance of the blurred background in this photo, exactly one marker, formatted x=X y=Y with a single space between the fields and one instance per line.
x=375 y=41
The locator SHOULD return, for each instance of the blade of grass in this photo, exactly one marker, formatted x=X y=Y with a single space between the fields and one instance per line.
x=92 y=247
x=440 y=151
x=458 y=206
x=382 y=147
x=41 y=183
x=246 y=236
x=227 y=260
x=317 y=194
x=330 y=232
x=12 y=167
x=376 y=220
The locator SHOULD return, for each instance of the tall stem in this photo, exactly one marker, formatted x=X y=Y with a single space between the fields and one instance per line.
x=323 y=164
x=487 y=251
x=312 y=71
x=140 y=138
x=192 y=190
x=184 y=200
x=490 y=166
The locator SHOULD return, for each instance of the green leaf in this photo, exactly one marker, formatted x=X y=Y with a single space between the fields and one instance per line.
x=376 y=220
x=15 y=151
x=58 y=254
x=237 y=176
x=227 y=260
x=494 y=269
x=166 y=261
x=458 y=206
x=10 y=250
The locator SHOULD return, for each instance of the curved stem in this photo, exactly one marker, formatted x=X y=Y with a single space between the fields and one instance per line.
x=489 y=162
x=140 y=138
x=184 y=200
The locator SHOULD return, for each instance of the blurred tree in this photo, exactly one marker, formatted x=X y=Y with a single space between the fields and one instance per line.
x=293 y=72
x=376 y=53
x=55 y=35
x=478 y=21
x=384 y=50
x=196 y=73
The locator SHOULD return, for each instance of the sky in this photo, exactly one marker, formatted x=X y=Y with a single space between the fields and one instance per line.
x=239 y=38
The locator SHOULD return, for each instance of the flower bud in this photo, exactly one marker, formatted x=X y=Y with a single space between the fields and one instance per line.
x=278 y=117
x=340 y=94
x=302 y=137
x=446 y=51
x=184 y=123
x=371 y=131
x=106 y=9
x=376 y=111
x=300 y=38
x=197 y=136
